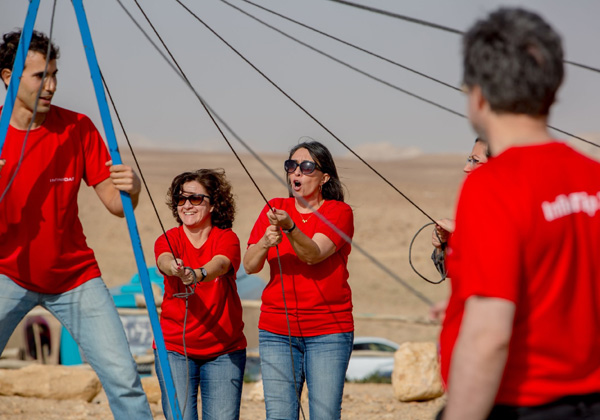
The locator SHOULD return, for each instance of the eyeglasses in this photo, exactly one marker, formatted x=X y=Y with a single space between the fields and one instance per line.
x=473 y=161
x=194 y=199
x=307 y=167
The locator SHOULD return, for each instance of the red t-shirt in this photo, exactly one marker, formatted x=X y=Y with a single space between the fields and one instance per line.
x=42 y=245
x=318 y=297
x=528 y=231
x=214 y=323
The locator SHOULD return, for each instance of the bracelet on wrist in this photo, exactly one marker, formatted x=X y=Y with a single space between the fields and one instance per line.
x=290 y=229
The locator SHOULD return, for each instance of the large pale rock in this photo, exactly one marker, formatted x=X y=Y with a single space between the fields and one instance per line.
x=50 y=381
x=416 y=375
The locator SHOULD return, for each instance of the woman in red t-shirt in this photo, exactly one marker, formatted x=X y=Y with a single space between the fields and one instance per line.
x=199 y=260
x=306 y=312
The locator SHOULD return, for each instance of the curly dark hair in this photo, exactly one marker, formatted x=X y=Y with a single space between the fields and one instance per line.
x=516 y=58
x=332 y=189
x=218 y=189
x=10 y=42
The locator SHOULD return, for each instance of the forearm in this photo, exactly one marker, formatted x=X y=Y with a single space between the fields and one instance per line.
x=216 y=267
x=111 y=197
x=305 y=248
x=164 y=263
x=479 y=359
x=255 y=257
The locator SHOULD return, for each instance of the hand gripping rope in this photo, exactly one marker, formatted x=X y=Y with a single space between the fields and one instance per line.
x=438 y=258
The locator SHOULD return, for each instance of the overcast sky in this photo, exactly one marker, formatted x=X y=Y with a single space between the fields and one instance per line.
x=160 y=111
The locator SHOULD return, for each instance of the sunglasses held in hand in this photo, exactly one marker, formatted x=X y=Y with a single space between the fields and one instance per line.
x=306 y=167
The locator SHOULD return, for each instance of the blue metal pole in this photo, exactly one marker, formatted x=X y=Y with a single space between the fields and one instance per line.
x=17 y=70
x=88 y=46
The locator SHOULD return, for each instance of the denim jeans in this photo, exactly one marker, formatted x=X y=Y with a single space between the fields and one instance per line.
x=220 y=380
x=88 y=312
x=320 y=360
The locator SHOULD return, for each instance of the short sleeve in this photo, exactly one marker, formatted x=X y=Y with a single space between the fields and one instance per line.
x=228 y=245
x=95 y=152
x=339 y=226
x=161 y=245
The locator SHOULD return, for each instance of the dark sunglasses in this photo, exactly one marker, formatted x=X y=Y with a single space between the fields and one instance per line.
x=307 y=167
x=194 y=199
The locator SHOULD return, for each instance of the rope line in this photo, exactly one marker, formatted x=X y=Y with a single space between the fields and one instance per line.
x=442 y=272
x=192 y=291
x=386 y=83
x=437 y=26
x=304 y=110
x=371 y=258
x=137 y=164
x=399 y=16
x=202 y=102
x=35 y=106
x=364 y=73
x=356 y=47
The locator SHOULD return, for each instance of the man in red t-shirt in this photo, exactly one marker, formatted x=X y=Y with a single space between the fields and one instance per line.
x=44 y=258
x=521 y=338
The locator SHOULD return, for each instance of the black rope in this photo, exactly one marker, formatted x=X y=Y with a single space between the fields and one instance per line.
x=364 y=73
x=583 y=66
x=35 y=107
x=202 y=102
x=437 y=258
x=399 y=16
x=371 y=258
x=303 y=109
x=356 y=47
x=436 y=26
x=189 y=291
x=199 y=97
x=289 y=329
x=137 y=164
x=421 y=98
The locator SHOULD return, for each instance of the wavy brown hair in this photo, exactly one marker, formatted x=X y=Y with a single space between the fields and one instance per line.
x=218 y=189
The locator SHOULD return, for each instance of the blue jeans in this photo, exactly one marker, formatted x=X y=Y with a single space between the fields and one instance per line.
x=321 y=361
x=220 y=380
x=88 y=312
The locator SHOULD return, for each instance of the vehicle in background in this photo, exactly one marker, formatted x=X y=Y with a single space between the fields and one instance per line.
x=371 y=357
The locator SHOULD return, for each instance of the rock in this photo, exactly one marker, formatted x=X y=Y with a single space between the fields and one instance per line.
x=50 y=381
x=416 y=375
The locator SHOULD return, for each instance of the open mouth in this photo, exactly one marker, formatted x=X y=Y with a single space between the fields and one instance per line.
x=296 y=185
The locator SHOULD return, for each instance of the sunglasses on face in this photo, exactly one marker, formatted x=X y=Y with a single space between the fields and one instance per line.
x=306 y=167
x=194 y=199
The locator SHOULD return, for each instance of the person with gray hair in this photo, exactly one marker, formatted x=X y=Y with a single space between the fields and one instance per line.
x=520 y=339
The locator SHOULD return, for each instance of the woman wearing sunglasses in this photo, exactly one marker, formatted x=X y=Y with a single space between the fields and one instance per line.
x=310 y=230
x=199 y=262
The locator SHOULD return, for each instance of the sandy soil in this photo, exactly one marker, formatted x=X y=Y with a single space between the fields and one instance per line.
x=385 y=223
x=361 y=401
